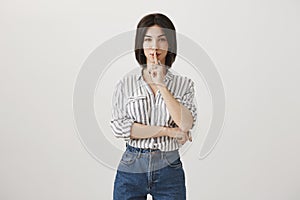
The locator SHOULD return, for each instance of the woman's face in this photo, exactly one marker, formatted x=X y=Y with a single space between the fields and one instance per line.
x=155 y=40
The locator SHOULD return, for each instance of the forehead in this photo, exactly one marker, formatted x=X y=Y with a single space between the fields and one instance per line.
x=154 y=31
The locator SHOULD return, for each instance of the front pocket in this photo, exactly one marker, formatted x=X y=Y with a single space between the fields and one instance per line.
x=135 y=98
x=173 y=159
x=137 y=108
x=128 y=157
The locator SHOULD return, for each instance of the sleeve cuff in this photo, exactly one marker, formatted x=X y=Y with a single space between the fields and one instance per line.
x=121 y=128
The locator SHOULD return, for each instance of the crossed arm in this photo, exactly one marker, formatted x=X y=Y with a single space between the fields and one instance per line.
x=179 y=113
x=183 y=113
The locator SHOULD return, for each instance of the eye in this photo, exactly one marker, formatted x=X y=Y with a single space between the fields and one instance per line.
x=162 y=39
x=147 y=39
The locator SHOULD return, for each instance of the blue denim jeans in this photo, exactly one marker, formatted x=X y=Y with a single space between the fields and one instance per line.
x=147 y=171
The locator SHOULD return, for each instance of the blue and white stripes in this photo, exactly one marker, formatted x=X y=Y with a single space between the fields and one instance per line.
x=133 y=101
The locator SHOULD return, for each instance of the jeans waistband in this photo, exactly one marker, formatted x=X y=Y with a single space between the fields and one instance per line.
x=142 y=150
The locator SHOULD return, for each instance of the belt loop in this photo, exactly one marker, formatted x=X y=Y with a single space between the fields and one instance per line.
x=139 y=153
x=162 y=154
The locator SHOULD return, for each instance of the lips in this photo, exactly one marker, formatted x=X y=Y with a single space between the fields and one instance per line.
x=157 y=54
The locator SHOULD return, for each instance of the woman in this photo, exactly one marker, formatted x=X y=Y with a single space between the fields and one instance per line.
x=154 y=112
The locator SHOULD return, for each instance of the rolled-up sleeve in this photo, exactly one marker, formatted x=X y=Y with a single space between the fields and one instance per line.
x=120 y=122
x=188 y=101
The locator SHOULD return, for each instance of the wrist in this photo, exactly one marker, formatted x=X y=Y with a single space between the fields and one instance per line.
x=161 y=86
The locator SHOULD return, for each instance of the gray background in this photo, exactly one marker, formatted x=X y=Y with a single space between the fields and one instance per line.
x=254 y=45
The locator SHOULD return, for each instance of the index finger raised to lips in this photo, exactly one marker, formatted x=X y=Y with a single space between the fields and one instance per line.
x=155 y=58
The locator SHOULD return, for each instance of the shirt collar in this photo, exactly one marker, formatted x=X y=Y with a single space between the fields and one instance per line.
x=169 y=75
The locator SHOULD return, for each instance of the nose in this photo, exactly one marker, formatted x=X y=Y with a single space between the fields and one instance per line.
x=154 y=44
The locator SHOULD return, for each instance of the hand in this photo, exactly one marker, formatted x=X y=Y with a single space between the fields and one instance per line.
x=156 y=72
x=180 y=135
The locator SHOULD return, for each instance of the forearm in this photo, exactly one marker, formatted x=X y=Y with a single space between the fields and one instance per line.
x=139 y=131
x=179 y=113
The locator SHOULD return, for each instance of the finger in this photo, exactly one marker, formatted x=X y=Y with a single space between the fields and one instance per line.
x=154 y=66
x=190 y=137
x=186 y=137
x=154 y=73
x=155 y=58
x=183 y=141
x=179 y=140
x=150 y=72
x=178 y=136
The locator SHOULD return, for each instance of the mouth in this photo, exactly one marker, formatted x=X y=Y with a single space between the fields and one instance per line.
x=157 y=54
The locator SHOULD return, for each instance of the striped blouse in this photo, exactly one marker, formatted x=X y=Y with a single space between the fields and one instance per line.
x=134 y=101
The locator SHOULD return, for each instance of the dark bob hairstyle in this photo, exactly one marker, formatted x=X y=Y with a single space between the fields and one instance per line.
x=168 y=28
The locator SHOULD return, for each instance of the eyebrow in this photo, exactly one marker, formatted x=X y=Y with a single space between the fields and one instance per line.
x=157 y=36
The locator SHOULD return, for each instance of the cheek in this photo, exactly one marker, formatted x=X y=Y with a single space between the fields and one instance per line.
x=164 y=47
x=146 y=52
x=167 y=47
x=164 y=54
x=164 y=44
x=146 y=45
